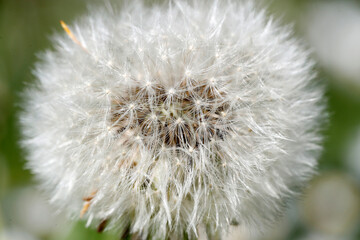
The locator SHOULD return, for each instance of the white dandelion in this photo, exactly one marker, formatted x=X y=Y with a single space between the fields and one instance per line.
x=160 y=119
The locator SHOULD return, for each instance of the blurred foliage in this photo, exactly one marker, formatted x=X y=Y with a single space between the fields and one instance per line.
x=25 y=27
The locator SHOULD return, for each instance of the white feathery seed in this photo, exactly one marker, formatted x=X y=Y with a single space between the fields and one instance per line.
x=161 y=119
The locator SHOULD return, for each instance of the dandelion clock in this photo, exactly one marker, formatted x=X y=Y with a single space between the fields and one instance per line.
x=157 y=120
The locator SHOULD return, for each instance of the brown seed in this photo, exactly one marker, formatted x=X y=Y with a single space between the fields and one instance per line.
x=181 y=105
x=84 y=209
x=102 y=226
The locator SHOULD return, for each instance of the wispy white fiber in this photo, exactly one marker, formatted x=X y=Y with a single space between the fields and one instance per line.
x=164 y=118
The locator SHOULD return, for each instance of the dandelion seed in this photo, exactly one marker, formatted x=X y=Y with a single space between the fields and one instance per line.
x=224 y=130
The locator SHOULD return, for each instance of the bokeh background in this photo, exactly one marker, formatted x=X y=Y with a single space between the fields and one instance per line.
x=330 y=207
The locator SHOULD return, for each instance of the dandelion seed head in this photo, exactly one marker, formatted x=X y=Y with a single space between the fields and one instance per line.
x=192 y=114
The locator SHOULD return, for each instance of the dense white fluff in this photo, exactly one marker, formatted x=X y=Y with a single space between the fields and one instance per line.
x=162 y=119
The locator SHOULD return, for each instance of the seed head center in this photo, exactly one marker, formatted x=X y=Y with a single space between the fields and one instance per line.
x=187 y=116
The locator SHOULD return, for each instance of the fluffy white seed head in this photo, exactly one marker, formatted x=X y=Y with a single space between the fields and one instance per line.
x=164 y=118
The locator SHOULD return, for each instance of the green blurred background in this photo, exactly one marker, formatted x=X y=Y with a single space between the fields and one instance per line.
x=331 y=205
